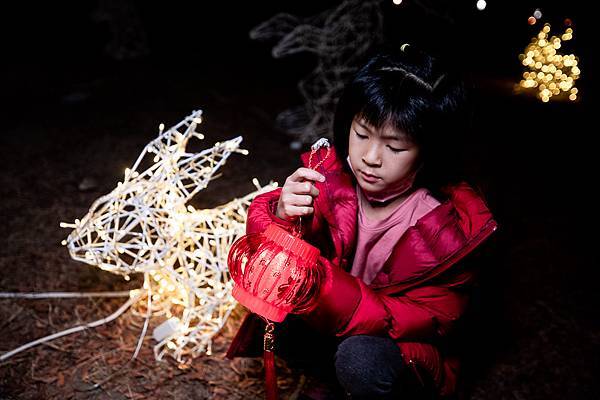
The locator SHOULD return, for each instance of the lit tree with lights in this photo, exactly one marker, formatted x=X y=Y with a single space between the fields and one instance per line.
x=549 y=72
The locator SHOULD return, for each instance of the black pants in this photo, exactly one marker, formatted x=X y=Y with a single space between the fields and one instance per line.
x=361 y=367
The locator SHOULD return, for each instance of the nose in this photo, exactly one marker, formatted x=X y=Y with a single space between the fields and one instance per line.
x=372 y=156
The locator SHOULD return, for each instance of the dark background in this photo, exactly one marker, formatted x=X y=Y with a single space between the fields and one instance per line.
x=70 y=111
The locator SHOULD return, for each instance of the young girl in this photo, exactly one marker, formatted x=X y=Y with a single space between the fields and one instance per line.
x=394 y=224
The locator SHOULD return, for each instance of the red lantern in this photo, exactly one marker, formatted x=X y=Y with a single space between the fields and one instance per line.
x=275 y=273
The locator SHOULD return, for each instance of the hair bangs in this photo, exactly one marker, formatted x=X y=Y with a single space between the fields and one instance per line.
x=393 y=107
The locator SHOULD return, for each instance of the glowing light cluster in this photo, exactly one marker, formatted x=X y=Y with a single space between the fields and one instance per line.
x=146 y=226
x=549 y=72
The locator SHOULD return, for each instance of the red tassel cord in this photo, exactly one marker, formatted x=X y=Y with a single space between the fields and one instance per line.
x=269 y=361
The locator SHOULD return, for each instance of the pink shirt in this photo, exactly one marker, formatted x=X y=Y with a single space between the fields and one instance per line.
x=376 y=239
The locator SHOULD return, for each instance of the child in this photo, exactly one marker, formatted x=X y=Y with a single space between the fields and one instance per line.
x=393 y=223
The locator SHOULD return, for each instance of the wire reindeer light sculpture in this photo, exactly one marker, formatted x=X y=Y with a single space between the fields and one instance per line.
x=146 y=226
x=339 y=38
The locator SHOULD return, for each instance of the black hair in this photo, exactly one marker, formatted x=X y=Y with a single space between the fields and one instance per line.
x=416 y=94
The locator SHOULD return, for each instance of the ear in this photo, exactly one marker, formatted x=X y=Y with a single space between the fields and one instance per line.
x=166 y=158
x=166 y=146
x=275 y=27
x=302 y=38
x=195 y=170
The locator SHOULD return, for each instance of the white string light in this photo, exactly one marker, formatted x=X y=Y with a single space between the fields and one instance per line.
x=145 y=225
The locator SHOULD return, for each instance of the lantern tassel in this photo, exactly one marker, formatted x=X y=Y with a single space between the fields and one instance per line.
x=269 y=362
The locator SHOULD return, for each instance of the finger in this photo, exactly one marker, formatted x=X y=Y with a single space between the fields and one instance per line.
x=300 y=200
x=298 y=211
x=296 y=200
x=303 y=188
x=306 y=174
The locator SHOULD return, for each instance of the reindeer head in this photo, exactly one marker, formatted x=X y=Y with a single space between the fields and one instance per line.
x=132 y=228
x=145 y=225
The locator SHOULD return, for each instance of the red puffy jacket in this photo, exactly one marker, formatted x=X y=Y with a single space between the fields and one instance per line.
x=418 y=295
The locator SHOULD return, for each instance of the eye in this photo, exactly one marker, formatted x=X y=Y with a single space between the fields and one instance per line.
x=359 y=135
x=395 y=150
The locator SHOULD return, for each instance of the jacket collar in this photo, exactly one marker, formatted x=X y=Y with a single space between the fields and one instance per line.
x=439 y=240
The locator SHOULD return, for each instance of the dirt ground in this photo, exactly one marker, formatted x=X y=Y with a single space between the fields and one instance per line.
x=534 y=322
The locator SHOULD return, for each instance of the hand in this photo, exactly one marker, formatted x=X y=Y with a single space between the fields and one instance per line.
x=298 y=193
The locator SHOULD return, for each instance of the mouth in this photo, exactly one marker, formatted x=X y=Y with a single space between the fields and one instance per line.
x=368 y=177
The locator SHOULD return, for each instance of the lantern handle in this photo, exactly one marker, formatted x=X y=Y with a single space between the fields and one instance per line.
x=298 y=228
x=322 y=142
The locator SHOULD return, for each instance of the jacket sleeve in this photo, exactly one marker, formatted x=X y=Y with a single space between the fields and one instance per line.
x=262 y=212
x=420 y=314
x=263 y=209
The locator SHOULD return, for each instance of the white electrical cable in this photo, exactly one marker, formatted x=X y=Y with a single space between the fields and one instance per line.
x=148 y=315
x=94 y=324
x=61 y=295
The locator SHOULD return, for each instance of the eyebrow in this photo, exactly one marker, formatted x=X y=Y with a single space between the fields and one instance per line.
x=362 y=125
x=388 y=137
x=392 y=137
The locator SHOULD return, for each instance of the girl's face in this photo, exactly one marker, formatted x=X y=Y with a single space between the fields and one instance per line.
x=381 y=158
